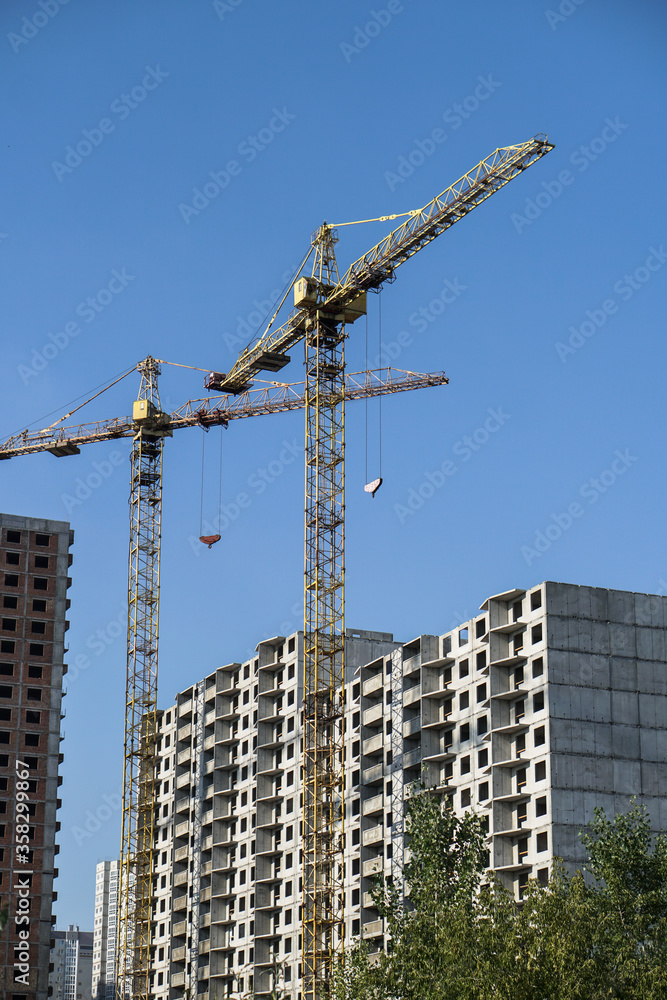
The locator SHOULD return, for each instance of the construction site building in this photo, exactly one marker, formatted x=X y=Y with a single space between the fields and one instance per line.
x=35 y=561
x=71 y=972
x=550 y=702
x=105 y=930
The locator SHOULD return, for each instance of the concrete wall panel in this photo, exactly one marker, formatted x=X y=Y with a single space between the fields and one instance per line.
x=621 y=606
x=623 y=673
x=625 y=742
x=654 y=779
x=652 y=678
x=625 y=707
x=627 y=777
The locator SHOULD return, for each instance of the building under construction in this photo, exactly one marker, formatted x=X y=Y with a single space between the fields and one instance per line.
x=34 y=582
x=550 y=702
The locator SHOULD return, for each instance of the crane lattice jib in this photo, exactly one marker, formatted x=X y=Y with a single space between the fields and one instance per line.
x=213 y=411
x=379 y=264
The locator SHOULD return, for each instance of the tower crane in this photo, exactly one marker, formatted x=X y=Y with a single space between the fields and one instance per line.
x=148 y=426
x=324 y=304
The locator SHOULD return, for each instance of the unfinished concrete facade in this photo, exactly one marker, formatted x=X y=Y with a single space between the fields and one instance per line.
x=34 y=580
x=550 y=702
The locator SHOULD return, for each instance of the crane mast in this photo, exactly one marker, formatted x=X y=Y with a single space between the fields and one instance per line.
x=324 y=628
x=136 y=861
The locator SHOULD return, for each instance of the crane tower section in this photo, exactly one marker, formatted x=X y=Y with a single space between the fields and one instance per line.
x=324 y=625
x=136 y=868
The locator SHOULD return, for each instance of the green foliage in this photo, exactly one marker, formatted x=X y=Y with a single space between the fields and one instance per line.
x=460 y=935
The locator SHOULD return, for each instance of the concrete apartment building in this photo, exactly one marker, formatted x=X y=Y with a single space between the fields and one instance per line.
x=71 y=972
x=105 y=930
x=549 y=702
x=34 y=567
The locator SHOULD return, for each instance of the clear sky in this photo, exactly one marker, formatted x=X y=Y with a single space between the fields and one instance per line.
x=542 y=459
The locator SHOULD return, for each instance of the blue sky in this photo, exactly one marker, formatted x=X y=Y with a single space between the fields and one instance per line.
x=542 y=459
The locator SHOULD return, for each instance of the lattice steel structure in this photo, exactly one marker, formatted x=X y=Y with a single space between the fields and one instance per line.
x=136 y=863
x=214 y=411
x=379 y=264
x=324 y=631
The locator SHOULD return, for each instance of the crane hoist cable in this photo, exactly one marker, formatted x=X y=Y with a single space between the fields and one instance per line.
x=209 y=540
x=374 y=485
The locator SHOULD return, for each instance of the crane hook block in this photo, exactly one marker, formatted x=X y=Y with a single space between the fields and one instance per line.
x=373 y=487
x=209 y=539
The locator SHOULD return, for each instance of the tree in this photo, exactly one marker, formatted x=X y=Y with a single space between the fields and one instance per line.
x=594 y=935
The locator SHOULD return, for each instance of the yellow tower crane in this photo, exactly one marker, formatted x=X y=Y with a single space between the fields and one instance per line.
x=148 y=426
x=324 y=304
